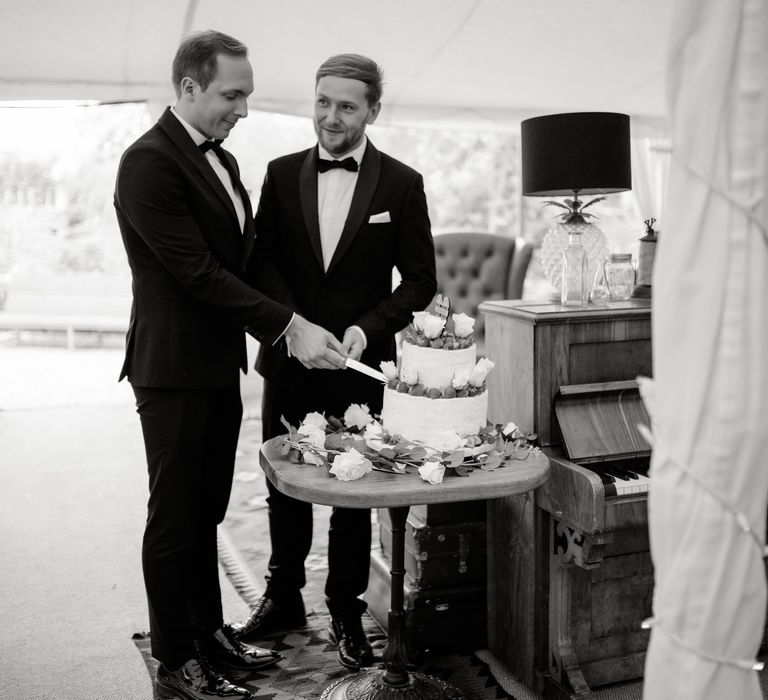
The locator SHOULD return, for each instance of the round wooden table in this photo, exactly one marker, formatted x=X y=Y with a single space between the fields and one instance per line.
x=397 y=493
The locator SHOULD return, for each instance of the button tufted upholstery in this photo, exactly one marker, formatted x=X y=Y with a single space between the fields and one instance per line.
x=477 y=267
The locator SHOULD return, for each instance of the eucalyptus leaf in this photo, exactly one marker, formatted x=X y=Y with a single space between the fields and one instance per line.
x=495 y=460
x=291 y=430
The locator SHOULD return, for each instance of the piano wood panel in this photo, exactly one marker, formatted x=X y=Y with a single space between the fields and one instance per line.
x=573 y=494
x=602 y=424
x=536 y=347
x=513 y=527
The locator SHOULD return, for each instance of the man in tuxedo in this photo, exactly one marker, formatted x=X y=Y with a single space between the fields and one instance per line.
x=186 y=224
x=332 y=223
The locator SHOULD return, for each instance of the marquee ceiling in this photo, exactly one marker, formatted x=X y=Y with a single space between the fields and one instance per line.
x=489 y=62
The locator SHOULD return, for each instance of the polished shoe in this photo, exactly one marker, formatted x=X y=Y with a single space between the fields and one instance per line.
x=195 y=680
x=354 y=650
x=268 y=617
x=223 y=647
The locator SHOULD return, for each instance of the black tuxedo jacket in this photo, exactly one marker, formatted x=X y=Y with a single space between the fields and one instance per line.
x=187 y=256
x=356 y=289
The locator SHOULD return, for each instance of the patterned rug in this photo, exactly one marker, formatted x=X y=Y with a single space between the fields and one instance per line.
x=309 y=665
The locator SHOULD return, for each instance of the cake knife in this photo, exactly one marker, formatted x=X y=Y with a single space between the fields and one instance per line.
x=365 y=369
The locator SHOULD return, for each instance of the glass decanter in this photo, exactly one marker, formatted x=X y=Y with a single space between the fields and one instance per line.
x=575 y=270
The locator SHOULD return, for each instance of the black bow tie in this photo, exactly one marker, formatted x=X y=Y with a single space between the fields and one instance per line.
x=215 y=146
x=348 y=163
x=207 y=145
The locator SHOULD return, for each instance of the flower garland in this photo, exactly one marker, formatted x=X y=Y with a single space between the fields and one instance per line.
x=351 y=448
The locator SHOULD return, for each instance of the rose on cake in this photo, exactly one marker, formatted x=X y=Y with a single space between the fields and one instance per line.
x=433 y=326
x=389 y=369
x=463 y=325
x=480 y=371
x=433 y=330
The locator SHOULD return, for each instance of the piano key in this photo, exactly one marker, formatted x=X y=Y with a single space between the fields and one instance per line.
x=627 y=482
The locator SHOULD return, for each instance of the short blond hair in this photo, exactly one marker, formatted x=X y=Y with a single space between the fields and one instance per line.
x=357 y=67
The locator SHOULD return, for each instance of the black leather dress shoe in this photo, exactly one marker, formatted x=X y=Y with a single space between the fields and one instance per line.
x=269 y=616
x=354 y=649
x=196 y=681
x=225 y=648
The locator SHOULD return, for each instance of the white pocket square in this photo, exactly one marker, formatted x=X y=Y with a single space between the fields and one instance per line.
x=380 y=218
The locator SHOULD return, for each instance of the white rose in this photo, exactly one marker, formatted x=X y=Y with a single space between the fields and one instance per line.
x=315 y=418
x=312 y=435
x=433 y=326
x=350 y=465
x=460 y=379
x=511 y=430
x=409 y=375
x=462 y=325
x=480 y=371
x=390 y=370
x=374 y=435
x=432 y=472
x=357 y=416
x=418 y=319
x=447 y=441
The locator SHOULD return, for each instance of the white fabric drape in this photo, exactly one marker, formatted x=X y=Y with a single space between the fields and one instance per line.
x=650 y=167
x=709 y=399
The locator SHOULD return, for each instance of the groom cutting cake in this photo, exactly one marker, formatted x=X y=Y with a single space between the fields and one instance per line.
x=332 y=224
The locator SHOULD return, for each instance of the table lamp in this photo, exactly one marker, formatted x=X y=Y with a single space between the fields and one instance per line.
x=575 y=154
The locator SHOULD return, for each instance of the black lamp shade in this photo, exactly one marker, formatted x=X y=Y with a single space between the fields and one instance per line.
x=584 y=151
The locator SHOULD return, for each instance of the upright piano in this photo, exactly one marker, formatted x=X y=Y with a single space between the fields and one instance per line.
x=569 y=571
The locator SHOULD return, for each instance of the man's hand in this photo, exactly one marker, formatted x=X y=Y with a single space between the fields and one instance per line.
x=314 y=346
x=353 y=343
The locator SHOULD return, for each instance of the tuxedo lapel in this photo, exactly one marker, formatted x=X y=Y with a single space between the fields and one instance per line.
x=182 y=140
x=249 y=232
x=308 y=197
x=367 y=181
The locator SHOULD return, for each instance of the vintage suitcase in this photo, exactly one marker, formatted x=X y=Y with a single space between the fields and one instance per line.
x=441 y=555
x=450 y=513
x=445 y=619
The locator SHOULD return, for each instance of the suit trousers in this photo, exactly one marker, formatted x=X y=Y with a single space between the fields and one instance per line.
x=190 y=437
x=290 y=520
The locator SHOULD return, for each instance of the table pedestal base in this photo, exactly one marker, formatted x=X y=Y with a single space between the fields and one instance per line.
x=369 y=684
x=393 y=682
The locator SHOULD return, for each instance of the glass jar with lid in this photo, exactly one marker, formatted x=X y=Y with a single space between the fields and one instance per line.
x=620 y=276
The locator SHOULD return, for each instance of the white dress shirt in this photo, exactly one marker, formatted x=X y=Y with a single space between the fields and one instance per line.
x=218 y=168
x=335 y=189
x=334 y=197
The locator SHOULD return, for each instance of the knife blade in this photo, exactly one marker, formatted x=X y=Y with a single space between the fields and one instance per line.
x=365 y=369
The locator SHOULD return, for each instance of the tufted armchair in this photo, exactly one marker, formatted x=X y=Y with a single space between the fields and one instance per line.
x=477 y=267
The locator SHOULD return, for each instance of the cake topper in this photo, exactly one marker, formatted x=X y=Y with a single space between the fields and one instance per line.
x=442 y=306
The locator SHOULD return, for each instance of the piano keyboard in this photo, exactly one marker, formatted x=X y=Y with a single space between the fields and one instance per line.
x=623 y=481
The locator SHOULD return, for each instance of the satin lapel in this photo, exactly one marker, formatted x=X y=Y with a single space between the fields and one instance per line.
x=308 y=197
x=199 y=162
x=249 y=231
x=367 y=181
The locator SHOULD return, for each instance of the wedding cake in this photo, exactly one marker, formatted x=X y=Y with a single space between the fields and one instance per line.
x=439 y=389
